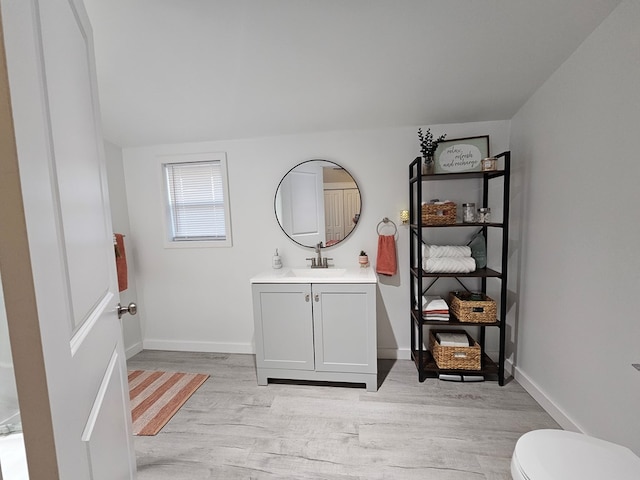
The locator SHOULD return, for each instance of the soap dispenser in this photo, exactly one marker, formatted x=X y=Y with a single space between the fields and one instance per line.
x=276 y=262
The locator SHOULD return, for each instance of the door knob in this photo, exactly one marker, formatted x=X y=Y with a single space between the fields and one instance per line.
x=131 y=309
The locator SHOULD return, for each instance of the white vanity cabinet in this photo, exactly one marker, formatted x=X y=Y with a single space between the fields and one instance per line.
x=316 y=331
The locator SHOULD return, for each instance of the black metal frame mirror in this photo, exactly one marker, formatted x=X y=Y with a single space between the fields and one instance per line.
x=317 y=201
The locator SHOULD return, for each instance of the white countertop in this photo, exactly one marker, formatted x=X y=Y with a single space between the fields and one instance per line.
x=317 y=275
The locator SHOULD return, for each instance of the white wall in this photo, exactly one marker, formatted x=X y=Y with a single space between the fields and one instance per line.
x=120 y=219
x=200 y=299
x=576 y=140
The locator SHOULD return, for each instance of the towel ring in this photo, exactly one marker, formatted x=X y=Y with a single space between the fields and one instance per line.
x=385 y=221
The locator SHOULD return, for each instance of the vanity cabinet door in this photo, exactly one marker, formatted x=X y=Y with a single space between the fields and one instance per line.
x=345 y=328
x=283 y=326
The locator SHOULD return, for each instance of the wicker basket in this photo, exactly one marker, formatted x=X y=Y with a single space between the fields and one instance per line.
x=455 y=358
x=439 y=213
x=472 y=307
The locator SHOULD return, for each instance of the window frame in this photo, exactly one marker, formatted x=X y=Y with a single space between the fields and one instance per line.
x=169 y=241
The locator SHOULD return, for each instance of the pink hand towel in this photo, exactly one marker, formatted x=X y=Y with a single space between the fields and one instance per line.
x=121 y=262
x=386 y=262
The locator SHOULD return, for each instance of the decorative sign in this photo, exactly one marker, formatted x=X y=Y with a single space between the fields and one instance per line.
x=461 y=154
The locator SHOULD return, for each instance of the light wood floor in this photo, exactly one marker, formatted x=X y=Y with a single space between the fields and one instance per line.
x=233 y=429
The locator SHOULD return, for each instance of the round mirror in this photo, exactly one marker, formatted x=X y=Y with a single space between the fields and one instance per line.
x=317 y=201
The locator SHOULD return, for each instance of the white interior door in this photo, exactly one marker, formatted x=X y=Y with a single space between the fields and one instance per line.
x=56 y=248
x=302 y=200
x=334 y=215
x=351 y=207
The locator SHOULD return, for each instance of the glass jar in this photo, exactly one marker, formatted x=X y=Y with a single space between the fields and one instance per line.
x=484 y=215
x=468 y=212
x=489 y=164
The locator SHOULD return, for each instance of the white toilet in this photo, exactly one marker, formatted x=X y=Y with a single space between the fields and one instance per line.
x=562 y=455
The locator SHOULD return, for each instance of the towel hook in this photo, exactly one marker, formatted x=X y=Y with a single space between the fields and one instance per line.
x=386 y=221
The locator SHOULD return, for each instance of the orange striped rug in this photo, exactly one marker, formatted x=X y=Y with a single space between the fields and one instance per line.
x=156 y=396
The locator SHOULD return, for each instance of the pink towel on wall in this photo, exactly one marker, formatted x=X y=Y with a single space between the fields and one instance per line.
x=121 y=262
x=386 y=262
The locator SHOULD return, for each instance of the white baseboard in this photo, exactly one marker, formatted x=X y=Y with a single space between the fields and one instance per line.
x=133 y=350
x=209 y=347
x=214 y=347
x=545 y=402
x=394 y=353
x=508 y=368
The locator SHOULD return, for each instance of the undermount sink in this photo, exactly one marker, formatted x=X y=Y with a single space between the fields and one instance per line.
x=316 y=272
x=316 y=275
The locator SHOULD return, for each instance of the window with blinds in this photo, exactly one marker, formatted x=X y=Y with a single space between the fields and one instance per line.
x=197 y=204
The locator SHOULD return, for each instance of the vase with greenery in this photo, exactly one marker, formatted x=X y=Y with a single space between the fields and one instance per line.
x=428 y=148
x=363 y=259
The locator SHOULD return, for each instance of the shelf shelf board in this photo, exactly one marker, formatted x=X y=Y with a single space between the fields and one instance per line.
x=474 y=224
x=487 y=366
x=460 y=175
x=453 y=321
x=479 y=273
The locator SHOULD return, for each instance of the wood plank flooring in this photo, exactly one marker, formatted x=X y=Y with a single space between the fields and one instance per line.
x=233 y=429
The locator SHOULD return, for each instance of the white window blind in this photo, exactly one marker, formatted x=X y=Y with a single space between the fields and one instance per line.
x=196 y=201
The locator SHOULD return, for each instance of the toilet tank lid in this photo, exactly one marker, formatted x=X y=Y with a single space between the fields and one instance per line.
x=550 y=454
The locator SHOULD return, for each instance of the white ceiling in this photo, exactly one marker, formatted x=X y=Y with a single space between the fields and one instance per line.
x=190 y=70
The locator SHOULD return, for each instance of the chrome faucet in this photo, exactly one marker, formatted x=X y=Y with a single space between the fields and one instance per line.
x=318 y=261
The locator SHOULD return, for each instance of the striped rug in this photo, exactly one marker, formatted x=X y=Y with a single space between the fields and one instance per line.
x=156 y=396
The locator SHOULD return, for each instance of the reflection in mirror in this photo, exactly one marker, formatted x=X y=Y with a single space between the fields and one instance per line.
x=317 y=201
x=12 y=453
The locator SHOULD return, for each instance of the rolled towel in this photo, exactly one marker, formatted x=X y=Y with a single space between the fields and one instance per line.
x=449 y=265
x=438 y=251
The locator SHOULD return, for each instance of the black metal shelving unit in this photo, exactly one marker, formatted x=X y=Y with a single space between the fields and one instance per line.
x=425 y=363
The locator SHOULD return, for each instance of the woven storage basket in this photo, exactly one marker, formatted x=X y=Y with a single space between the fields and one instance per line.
x=439 y=214
x=472 y=307
x=455 y=358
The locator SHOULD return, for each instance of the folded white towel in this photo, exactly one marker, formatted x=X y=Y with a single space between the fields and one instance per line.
x=449 y=265
x=433 y=302
x=439 y=317
x=437 y=251
x=447 y=339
